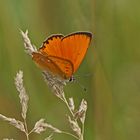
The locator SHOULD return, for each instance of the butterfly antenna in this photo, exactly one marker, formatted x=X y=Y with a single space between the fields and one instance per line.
x=83 y=76
x=80 y=85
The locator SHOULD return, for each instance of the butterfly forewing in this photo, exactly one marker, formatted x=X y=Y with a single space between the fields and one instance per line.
x=51 y=46
x=75 y=47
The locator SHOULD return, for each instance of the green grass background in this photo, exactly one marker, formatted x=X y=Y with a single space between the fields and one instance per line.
x=113 y=62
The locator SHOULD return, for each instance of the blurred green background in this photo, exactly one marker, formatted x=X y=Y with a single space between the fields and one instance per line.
x=113 y=62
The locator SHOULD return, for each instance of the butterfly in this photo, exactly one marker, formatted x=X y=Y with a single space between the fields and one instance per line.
x=62 y=55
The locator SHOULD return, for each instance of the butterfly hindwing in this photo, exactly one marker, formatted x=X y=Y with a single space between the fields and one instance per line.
x=65 y=66
x=55 y=65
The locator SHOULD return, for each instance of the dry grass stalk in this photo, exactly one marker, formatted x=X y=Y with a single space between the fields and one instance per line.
x=14 y=122
x=29 y=48
x=82 y=111
x=22 y=93
x=75 y=127
x=71 y=104
x=41 y=126
x=57 y=86
x=50 y=137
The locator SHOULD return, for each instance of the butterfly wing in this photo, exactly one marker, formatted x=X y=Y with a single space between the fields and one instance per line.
x=51 y=46
x=64 y=65
x=55 y=65
x=64 y=53
x=75 y=46
x=72 y=47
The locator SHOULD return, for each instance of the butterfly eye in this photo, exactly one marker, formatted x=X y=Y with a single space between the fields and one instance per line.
x=71 y=79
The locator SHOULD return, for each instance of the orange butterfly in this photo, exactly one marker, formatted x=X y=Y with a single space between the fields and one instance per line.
x=62 y=55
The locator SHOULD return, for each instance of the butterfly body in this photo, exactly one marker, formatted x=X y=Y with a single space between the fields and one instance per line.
x=62 y=55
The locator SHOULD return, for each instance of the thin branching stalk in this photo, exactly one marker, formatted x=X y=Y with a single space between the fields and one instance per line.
x=67 y=133
x=26 y=129
x=56 y=84
x=69 y=108
x=67 y=104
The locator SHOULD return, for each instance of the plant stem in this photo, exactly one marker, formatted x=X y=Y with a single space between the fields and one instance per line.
x=67 y=133
x=82 y=133
x=26 y=129
x=66 y=102
x=27 y=136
